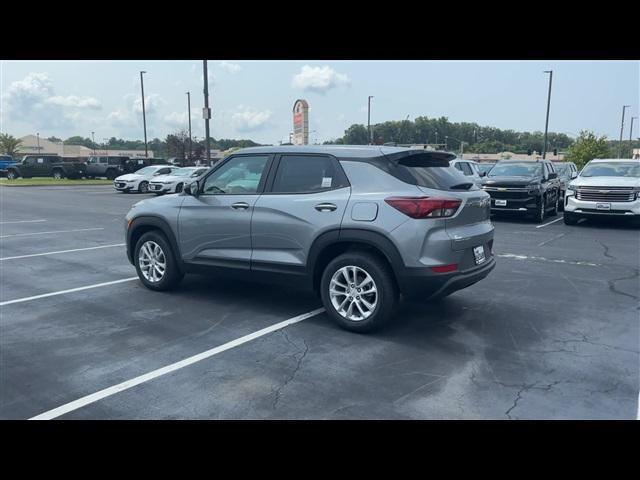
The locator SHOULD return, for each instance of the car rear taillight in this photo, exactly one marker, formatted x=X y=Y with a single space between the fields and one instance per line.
x=425 y=207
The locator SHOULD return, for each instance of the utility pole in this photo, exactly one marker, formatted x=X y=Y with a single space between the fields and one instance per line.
x=189 y=115
x=38 y=136
x=93 y=140
x=369 y=120
x=106 y=146
x=630 y=138
x=624 y=107
x=546 y=125
x=144 y=117
x=207 y=111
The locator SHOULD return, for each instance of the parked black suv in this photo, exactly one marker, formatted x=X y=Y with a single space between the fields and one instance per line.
x=46 y=166
x=109 y=167
x=523 y=186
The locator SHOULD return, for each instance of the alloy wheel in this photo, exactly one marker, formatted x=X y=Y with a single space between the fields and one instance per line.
x=152 y=261
x=353 y=293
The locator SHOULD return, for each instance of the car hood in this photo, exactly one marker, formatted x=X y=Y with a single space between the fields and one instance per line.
x=130 y=176
x=510 y=181
x=606 y=182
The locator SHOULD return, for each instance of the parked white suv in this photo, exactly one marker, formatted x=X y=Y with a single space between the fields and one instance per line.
x=139 y=181
x=605 y=187
x=469 y=169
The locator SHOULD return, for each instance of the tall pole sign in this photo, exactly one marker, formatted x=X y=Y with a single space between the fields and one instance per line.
x=301 y=122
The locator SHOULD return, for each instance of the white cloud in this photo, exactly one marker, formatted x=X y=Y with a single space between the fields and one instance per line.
x=180 y=119
x=152 y=102
x=249 y=119
x=75 y=101
x=319 y=79
x=230 y=67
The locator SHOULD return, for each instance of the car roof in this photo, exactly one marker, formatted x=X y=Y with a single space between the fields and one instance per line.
x=608 y=160
x=342 y=151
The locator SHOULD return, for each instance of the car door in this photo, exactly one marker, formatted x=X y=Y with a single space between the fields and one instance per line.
x=306 y=195
x=215 y=226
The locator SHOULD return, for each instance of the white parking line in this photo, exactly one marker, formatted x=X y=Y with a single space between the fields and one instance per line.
x=543 y=259
x=54 y=231
x=62 y=292
x=107 y=392
x=553 y=221
x=63 y=251
x=22 y=221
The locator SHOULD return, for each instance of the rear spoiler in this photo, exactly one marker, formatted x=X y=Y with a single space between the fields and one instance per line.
x=421 y=158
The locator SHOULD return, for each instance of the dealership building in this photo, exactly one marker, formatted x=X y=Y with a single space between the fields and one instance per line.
x=32 y=144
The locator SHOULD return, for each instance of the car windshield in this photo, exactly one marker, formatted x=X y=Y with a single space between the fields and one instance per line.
x=524 y=169
x=612 y=169
x=485 y=167
x=562 y=169
x=183 y=172
x=147 y=170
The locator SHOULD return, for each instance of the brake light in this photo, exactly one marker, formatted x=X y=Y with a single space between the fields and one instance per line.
x=425 y=207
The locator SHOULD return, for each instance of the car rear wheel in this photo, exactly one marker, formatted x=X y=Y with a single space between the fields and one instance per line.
x=358 y=291
x=155 y=262
x=143 y=187
x=57 y=175
x=111 y=174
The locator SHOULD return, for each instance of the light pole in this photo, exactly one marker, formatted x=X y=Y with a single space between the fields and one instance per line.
x=189 y=115
x=630 y=138
x=38 y=137
x=546 y=125
x=369 y=120
x=207 y=111
x=106 y=146
x=144 y=117
x=624 y=107
x=436 y=138
x=93 y=140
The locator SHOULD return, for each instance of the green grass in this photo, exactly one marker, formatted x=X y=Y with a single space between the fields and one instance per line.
x=37 y=181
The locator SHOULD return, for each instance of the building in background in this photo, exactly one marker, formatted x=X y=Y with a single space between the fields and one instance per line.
x=32 y=145
x=493 y=157
x=301 y=122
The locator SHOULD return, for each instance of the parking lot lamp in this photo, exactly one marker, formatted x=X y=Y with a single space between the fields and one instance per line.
x=624 y=107
x=189 y=116
x=369 y=120
x=106 y=147
x=93 y=140
x=546 y=125
x=207 y=112
x=144 y=117
x=38 y=138
x=630 y=138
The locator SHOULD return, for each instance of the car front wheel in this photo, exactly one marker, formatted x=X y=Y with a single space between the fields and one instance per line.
x=11 y=175
x=358 y=291
x=143 y=187
x=155 y=262
x=540 y=212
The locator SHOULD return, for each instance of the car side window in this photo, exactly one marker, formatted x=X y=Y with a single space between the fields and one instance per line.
x=307 y=174
x=464 y=168
x=239 y=175
x=103 y=159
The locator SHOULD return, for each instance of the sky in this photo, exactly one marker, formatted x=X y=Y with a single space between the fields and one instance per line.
x=254 y=99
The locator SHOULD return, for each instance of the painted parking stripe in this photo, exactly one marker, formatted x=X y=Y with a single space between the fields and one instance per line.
x=543 y=259
x=553 y=221
x=22 y=221
x=107 y=392
x=51 y=232
x=63 y=251
x=63 y=292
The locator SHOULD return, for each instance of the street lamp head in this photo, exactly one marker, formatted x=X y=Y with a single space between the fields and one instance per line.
x=142 y=71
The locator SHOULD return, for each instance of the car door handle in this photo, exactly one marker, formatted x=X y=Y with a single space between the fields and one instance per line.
x=326 y=207
x=240 y=205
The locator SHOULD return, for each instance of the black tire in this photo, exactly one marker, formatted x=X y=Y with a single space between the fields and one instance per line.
x=172 y=276
x=385 y=283
x=58 y=174
x=111 y=174
x=541 y=211
x=561 y=203
x=554 y=212
x=12 y=175
x=179 y=187
x=143 y=187
x=570 y=219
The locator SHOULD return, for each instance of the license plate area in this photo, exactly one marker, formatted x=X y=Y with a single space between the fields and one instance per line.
x=500 y=203
x=478 y=254
x=603 y=206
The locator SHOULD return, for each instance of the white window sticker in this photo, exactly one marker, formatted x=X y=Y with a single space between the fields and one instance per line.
x=140 y=162
x=326 y=182
x=41 y=160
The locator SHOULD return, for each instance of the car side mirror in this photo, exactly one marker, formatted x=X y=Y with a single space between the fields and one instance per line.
x=483 y=174
x=192 y=189
x=574 y=175
x=553 y=175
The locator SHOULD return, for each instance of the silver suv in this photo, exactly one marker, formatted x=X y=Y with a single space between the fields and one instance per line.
x=359 y=225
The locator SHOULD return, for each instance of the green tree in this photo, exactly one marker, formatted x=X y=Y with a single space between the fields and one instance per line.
x=587 y=147
x=78 y=140
x=9 y=145
x=356 y=135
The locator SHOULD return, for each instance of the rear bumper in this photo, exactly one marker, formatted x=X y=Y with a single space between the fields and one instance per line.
x=425 y=284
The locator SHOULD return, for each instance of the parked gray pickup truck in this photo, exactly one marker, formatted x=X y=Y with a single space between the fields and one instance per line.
x=45 y=166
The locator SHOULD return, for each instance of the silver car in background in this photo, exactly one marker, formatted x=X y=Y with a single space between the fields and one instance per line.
x=175 y=181
x=360 y=225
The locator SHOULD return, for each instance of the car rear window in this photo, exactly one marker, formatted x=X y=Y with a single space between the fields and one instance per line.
x=430 y=171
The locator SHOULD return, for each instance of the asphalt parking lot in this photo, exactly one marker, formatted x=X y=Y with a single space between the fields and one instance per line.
x=552 y=333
